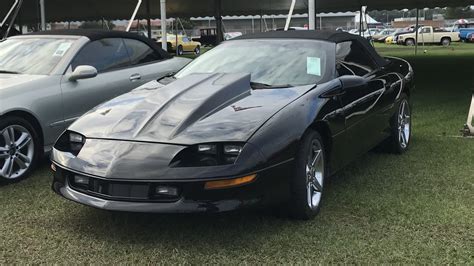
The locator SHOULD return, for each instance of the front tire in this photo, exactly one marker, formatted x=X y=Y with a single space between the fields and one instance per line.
x=19 y=149
x=410 y=42
x=197 y=50
x=308 y=181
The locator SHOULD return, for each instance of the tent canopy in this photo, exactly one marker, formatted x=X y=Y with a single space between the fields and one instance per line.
x=80 y=10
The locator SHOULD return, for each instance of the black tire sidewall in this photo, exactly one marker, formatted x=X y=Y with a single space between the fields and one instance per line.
x=13 y=120
x=197 y=50
x=299 y=208
x=180 y=50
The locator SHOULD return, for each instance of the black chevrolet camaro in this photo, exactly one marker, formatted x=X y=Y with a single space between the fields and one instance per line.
x=262 y=119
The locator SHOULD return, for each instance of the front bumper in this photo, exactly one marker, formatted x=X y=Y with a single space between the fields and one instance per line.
x=271 y=186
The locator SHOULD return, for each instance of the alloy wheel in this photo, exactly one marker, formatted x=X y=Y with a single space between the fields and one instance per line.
x=404 y=125
x=16 y=151
x=315 y=174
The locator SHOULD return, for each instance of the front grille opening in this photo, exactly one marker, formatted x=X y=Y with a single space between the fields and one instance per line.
x=126 y=190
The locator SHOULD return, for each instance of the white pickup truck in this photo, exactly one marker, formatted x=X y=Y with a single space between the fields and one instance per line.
x=428 y=34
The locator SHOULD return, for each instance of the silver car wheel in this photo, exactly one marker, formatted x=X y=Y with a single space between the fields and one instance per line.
x=16 y=151
x=315 y=174
x=404 y=124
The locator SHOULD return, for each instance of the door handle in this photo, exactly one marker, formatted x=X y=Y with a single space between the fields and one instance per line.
x=135 y=77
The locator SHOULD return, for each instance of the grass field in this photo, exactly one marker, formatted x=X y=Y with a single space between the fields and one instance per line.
x=414 y=208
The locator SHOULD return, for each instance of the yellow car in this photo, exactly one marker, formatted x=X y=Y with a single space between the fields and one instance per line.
x=185 y=44
x=389 y=40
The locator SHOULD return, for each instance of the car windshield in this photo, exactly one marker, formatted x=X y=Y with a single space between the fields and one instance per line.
x=270 y=62
x=36 y=56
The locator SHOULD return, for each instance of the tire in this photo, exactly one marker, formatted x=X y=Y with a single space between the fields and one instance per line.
x=180 y=50
x=400 y=138
x=17 y=160
x=308 y=181
x=409 y=42
x=197 y=50
x=445 y=41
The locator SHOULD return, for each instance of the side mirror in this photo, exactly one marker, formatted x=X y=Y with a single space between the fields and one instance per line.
x=352 y=82
x=83 y=72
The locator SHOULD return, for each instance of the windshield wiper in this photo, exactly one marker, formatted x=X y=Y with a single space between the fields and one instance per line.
x=259 y=86
x=8 y=72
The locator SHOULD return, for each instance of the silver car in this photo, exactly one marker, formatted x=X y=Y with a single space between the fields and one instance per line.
x=49 y=79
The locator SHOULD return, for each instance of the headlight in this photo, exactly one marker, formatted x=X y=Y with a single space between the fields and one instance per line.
x=211 y=154
x=71 y=142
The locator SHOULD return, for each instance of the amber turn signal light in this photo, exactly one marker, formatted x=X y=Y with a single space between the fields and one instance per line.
x=228 y=183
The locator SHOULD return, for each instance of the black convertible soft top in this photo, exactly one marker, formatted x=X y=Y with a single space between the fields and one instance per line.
x=321 y=35
x=94 y=35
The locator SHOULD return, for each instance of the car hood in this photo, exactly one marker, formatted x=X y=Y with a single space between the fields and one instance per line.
x=11 y=80
x=195 y=109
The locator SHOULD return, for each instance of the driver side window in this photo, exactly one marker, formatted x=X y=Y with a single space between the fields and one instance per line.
x=105 y=55
x=352 y=59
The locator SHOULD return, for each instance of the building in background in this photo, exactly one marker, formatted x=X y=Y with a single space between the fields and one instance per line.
x=251 y=24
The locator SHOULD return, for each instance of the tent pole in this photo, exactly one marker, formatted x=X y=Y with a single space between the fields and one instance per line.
x=290 y=14
x=133 y=15
x=218 y=16
x=164 y=41
x=312 y=14
x=42 y=15
x=148 y=18
x=416 y=30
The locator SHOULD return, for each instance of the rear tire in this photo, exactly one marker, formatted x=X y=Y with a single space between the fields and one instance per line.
x=20 y=149
x=179 y=50
x=399 y=140
x=445 y=41
x=309 y=175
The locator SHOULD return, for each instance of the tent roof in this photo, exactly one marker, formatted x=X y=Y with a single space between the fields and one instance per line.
x=79 y=10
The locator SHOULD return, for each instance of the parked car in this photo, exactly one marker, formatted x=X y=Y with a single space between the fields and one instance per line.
x=382 y=35
x=49 y=79
x=239 y=127
x=182 y=44
x=429 y=35
x=464 y=33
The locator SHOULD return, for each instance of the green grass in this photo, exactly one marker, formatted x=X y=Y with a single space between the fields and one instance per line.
x=414 y=208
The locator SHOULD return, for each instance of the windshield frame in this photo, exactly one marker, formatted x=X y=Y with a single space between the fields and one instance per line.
x=62 y=65
x=330 y=64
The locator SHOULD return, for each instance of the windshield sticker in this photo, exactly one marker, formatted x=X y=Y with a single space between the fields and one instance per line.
x=313 y=66
x=62 y=49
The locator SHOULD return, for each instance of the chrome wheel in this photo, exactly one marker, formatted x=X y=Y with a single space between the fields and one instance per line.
x=16 y=151
x=315 y=174
x=404 y=125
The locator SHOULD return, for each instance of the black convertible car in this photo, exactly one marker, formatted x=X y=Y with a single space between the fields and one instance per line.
x=261 y=119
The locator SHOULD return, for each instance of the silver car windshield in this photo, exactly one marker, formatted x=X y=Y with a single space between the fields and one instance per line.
x=36 y=56
x=273 y=62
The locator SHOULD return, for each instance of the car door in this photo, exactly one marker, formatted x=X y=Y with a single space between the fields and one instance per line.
x=147 y=62
x=115 y=77
x=426 y=35
x=363 y=91
x=187 y=44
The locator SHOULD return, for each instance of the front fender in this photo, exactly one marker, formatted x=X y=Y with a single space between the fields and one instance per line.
x=279 y=137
